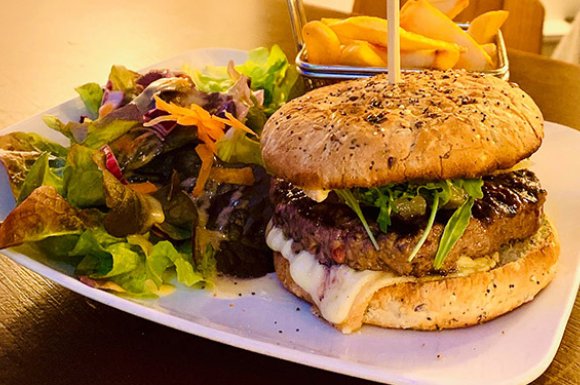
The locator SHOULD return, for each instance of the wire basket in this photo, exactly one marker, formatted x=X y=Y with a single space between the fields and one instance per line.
x=316 y=75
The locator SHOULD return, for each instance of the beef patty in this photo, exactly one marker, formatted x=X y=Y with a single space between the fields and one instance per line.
x=510 y=210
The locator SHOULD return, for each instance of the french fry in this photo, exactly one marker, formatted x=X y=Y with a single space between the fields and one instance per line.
x=484 y=27
x=451 y=8
x=421 y=17
x=491 y=50
x=411 y=41
x=374 y=30
x=367 y=28
x=446 y=59
x=424 y=58
x=361 y=53
x=330 y=20
x=418 y=59
x=322 y=44
x=429 y=39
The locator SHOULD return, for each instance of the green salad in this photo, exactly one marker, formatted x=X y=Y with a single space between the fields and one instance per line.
x=162 y=177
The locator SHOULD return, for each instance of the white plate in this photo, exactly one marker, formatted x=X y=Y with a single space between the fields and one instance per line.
x=514 y=349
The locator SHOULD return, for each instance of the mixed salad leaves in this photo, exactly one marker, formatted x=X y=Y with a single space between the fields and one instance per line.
x=162 y=177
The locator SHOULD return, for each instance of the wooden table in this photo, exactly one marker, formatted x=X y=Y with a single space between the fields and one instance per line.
x=49 y=335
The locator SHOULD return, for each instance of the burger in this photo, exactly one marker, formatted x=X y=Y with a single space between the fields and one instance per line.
x=409 y=205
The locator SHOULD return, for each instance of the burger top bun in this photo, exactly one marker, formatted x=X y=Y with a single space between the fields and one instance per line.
x=434 y=125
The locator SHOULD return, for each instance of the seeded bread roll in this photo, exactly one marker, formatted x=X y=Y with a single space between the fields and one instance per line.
x=435 y=125
x=526 y=267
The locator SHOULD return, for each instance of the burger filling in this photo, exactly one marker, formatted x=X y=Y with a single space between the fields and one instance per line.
x=410 y=230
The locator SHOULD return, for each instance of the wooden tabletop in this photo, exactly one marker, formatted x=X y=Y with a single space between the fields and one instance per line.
x=50 y=335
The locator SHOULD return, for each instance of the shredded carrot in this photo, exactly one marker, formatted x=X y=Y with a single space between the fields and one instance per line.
x=210 y=129
x=235 y=123
x=206 y=156
x=241 y=176
x=144 y=188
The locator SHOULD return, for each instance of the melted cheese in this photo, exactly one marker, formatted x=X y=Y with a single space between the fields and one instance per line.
x=337 y=289
x=333 y=289
x=317 y=195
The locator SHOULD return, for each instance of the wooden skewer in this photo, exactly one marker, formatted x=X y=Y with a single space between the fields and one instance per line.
x=393 y=43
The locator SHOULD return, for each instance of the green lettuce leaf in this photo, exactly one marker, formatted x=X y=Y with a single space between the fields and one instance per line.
x=130 y=212
x=162 y=256
x=268 y=70
x=19 y=151
x=256 y=118
x=83 y=180
x=44 y=172
x=73 y=130
x=17 y=165
x=157 y=264
x=134 y=263
x=211 y=79
x=95 y=133
x=207 y=264
x=44 y=213
x=30 y=141
x=178 y=208
x=184 y=268
x=105 y=130
x=104 y=255
x=91 y=94
x=123 y=79
x=58 y=247
x=237 y=147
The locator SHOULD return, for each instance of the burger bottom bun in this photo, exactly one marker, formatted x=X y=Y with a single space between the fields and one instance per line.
x=526 y=267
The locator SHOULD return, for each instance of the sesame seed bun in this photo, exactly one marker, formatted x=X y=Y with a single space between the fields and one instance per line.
x=434 y=125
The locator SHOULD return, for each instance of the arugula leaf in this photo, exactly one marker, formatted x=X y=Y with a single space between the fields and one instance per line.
x=408 y=200
x=454 y=229
x=472 y=187
x=427 y=229
x=350 y=200
x=385 y=205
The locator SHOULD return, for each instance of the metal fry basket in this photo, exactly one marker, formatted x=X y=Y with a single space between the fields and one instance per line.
x=316 y=75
